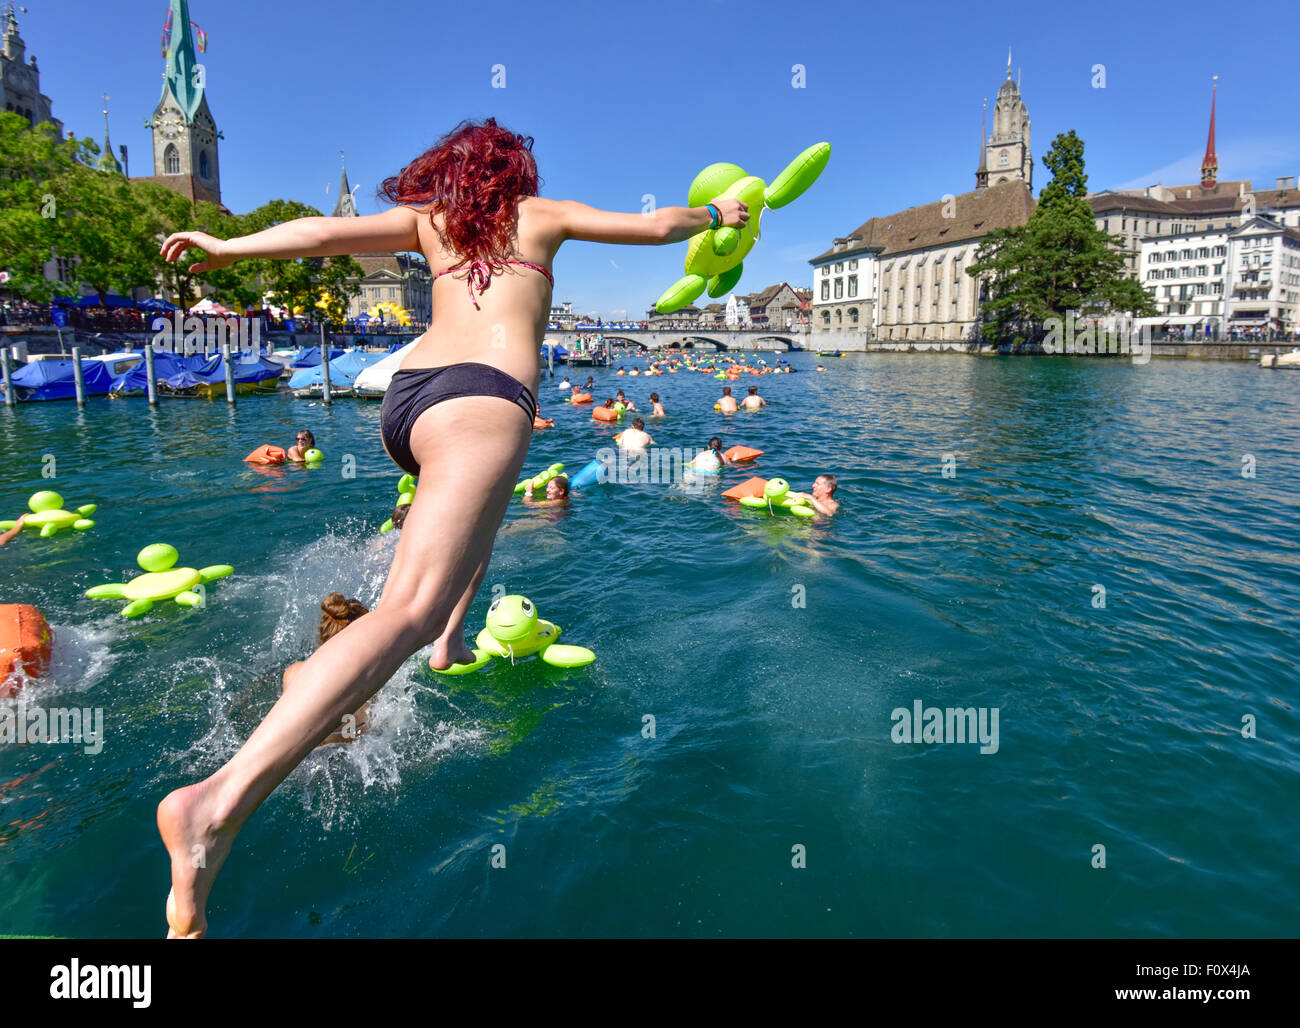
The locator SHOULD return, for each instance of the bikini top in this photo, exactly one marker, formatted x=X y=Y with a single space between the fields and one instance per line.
x=480 y=275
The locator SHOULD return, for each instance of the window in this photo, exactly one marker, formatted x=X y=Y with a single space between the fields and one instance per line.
x=203 y=165
x=826 y=290
x=853 y=285
x=172 y=160
x=826 y=269
x=839 y=288
x=853 y=265
x=826 y=319
x=853 y=315
x=1187 y=255
x=839 y=267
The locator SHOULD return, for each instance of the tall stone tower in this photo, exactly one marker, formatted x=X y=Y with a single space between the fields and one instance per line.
x=1007 y=155
x=184 y=132
x=20 y=84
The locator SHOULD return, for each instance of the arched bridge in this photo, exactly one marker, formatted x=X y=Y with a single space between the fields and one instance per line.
x=688 y=339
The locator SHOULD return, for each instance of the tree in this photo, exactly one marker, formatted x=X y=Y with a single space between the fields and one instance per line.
x=1059 y=261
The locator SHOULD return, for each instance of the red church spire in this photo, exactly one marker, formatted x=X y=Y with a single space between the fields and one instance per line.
x=1210 y=165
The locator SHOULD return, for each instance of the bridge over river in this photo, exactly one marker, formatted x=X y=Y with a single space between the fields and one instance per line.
x=689 y=338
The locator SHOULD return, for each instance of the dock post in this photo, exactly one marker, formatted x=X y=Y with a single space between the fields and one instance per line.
x=324 y=366
x=77 y=377
x=230 y=374
x=150 y=375
x=9 y=382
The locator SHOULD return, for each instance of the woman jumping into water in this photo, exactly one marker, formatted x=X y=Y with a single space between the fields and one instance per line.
x=460 y=408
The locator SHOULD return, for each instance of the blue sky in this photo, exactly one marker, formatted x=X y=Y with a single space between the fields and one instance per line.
x=626 y=99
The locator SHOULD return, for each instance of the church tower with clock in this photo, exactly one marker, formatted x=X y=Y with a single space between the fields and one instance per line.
x=184 y=132
x=1006 y=153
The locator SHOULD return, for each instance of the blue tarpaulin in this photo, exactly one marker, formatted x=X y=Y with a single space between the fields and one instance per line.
x=53 y=380
x=344 y=370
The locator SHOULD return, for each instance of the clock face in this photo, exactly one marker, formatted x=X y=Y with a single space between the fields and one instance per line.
x=170 y=124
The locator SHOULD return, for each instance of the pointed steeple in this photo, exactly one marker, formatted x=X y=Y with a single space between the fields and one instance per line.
x=14 y=48
x=982 y=172
x=107 y=162
x=1210 y=165
x=179 y=77
x=346 y=206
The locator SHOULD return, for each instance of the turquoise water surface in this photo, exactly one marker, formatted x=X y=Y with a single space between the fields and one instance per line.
x=770 y=653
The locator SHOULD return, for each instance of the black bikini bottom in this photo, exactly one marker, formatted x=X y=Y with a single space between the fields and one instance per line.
x=414 y=390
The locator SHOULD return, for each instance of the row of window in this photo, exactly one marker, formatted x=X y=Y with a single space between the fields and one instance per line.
x=839 y=288
x=1186 y=271
x=839 y=318
x=1199 y=253
x=26 y=112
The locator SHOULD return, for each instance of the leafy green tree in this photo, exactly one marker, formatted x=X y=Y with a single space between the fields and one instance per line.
x=1059 y=261
x=34 y=165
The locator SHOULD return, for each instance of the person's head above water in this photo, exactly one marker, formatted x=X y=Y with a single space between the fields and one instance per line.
x=620 y=395
x=726 y=390
x=399 y=514
x=306 y=440
x=609 y=402
x=753 y=390
x=337 y=612
x=715 y=444
x=826 y=484
x=557 y=488
x=638 y=424
x=473 y=177
x=654 y=397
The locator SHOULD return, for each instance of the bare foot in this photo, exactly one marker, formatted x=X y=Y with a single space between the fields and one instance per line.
x=198 y=846
x=450 y=650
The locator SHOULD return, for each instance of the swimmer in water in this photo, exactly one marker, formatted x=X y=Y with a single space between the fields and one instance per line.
x=753 y=401
x=727 y=402
x=557 y=495
x=634 y=438
x=658 y=411
x=713 y=458
x=305 y=442
x=336 y=614
x=627 y=404
x=469 y=206
x=823 y=494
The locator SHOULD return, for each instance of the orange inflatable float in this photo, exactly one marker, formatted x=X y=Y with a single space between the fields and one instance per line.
x=740 y=454
x=580 y=398
x=540 y=422
x=605 y=414
x=749 y=487
x=25 y=643
x=267 y=455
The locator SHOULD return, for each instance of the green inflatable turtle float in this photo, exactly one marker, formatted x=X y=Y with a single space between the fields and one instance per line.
x=514 y=630
x=161 y=582
x=776 y=499
x=48 y=517
x=715 y=256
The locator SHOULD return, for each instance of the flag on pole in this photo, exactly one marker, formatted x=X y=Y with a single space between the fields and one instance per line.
x=166 y=35
x=200 y=37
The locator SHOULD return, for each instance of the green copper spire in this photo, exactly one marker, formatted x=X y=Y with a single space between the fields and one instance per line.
x=107 y=162
x=181 y=60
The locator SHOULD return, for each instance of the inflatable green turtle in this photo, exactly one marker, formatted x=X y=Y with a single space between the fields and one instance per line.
x=161 y=582
x=514 y=630
x=777 y=499
x=405 y=496
x=48 y=517
x=715 y=256
x=531 y=485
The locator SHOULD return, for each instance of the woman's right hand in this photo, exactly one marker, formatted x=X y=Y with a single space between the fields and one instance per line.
x=734 y=213
x=219 y=255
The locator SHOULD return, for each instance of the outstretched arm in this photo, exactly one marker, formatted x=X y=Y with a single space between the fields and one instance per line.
x=394 y=231
x=662 y=225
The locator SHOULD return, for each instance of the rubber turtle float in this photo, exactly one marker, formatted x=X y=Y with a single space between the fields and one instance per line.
x=161 y=582
x=514 y=630
x=715 y=256
x=777 y=499
x=405 y=496
x=531 y=485
x=48 y=517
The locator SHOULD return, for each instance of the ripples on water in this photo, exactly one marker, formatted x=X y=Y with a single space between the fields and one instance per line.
x=1120 y=726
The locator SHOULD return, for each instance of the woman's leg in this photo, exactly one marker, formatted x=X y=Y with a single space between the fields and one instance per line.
x=450 y=648
x=473 y=449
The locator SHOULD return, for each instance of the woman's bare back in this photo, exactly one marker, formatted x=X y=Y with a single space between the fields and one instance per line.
x=507 y=327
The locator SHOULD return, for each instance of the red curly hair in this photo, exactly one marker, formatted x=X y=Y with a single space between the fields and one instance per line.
x=473 y=175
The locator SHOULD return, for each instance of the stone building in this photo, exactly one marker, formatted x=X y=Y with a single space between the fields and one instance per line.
x=777 y=307
x=903 y=276
x=20 y=84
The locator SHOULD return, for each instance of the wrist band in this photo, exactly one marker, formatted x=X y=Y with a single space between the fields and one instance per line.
x=717 y=215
